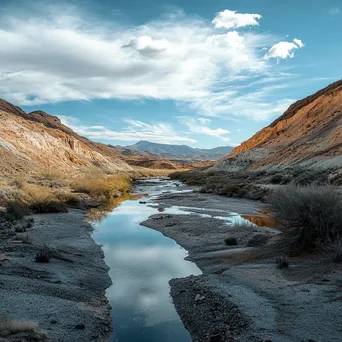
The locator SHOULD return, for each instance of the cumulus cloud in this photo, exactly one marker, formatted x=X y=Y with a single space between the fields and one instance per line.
x=134 y=131
x=231 y=19
x=200 y=126
x=61 y=56
x=284 y=50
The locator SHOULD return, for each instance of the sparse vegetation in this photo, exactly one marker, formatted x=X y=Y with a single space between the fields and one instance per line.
x=17 y=210
x=282 y=262
x=334 y=251
x=231 y=241
x=25 y=330
x=310 y=216
x=101 y=186
x=226 y=184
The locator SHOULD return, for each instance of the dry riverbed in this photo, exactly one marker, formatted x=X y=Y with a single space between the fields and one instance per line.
x=241 y=295
x=63 y=300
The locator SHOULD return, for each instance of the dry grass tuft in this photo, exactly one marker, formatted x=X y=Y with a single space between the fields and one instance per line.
x=101 y=186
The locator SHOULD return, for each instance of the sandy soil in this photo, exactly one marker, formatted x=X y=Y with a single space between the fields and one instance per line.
x=65 y=297
x=241 y=295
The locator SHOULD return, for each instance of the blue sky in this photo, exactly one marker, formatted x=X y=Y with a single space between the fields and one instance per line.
x=202 y=73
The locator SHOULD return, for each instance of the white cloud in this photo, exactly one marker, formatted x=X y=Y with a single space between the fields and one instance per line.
x=284 y=49
x=62 y=56
x=135 y=130
x=231 y=19
x=147 y=46
x=204 y=121
x=199 y=126
x=298 y=42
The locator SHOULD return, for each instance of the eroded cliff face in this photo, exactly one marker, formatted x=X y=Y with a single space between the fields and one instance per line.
x=308 y=134
x=28 y=143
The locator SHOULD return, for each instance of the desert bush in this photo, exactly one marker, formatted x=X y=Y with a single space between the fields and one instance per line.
x=282 y=262
x=257 y=240
x=333 y=251
x=43 y=256
x=8 y=195
x=231 y=241
x=67 y=197
x=17 y=210
x=101 y=186
x=41 y=199
x=310 y=216
x=26 y=329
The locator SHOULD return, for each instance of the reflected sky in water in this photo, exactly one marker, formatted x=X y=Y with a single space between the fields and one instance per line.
x=142 y=261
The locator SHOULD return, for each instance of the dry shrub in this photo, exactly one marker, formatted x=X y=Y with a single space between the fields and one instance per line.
x=41 y=199
x=310 y=216
x=33 y=194
x=333 y=251
x=24 y=329
x=19 y=181
x=17 y=210
x=66 y=197
x=8 y=195
x=101 y=186
x=50 y=178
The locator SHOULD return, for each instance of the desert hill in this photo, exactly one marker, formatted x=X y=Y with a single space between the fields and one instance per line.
x=36 y=140
x=308 y=134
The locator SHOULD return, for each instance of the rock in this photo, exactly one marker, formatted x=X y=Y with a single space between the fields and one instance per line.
x=199 y=297
x=53 y=321
x=80 y=326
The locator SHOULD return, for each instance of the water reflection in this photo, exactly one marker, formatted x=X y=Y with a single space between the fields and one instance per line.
x=141 y=261
x=262 y=221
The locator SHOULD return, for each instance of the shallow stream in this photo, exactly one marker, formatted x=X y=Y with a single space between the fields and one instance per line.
x=142 y=261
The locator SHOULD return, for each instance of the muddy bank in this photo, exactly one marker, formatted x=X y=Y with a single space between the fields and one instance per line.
x=65 y=297
x=241 y=295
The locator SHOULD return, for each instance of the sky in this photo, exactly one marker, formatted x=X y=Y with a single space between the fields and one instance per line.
x=202 y=73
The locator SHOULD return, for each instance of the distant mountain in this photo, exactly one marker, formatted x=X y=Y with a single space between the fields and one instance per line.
x=308 y=135
x=180 y=153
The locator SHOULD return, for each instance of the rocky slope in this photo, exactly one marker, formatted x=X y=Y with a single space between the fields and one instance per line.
x=37 y=140
x=308 y=134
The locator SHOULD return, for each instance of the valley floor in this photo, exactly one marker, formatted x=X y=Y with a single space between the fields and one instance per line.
x=241 y=295
x=63 y=299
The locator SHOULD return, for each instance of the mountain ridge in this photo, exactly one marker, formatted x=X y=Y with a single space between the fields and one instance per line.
x=180 y=152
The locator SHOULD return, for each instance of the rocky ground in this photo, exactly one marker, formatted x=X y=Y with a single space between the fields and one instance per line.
x=242 y=295
x=62 y=300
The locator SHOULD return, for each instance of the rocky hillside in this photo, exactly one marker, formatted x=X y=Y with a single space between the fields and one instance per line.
x=37 y=140
x=308 y=134
x=179 y=153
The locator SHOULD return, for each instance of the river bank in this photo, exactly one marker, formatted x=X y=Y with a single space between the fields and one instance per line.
x=241 y=295
x=63 y=300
